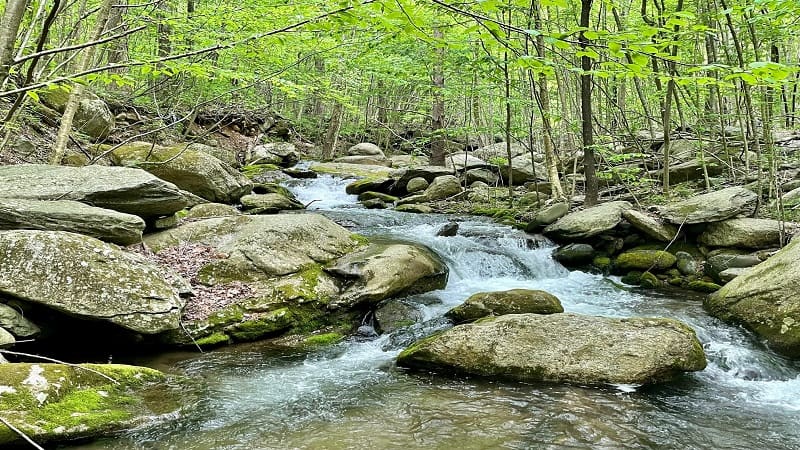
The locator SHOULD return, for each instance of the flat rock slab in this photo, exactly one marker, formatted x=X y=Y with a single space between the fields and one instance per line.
x=712 y=207
x=262 y=247
x=87 y=278
x=651 y=226
x=499 y=303
x=764 y=298
x=191 y=170
x=588 y=222
x=562 y=348
x=123 y=189
x=745 y=232
x=66 y=215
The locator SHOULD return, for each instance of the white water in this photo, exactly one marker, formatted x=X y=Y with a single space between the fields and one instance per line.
x=351 y=396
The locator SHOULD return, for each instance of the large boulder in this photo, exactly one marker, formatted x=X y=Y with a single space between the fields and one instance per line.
x=191 y=170
x=522 y=169
x=765 y=299
x=282 y=154
x=745 y=232
x=369 y=185
x=514 y=301
x=380 y=271
x=465 y=161
x=588 y=222
x=728 y=259
x=712 y=207
x=68 y=215
x=443 y=187
x=93 y=118
x=122 y=189
x=650 y=226
x=351 y=170
x=563 y=348
x=58 y=402
x=86 y=278
x=259 y=247
x=493 y=153
x=365 y=149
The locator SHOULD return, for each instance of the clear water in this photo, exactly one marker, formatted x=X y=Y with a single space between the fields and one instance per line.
x=352 y=396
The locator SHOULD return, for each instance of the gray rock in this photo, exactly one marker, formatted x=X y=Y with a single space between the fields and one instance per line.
x=194 y=171
x=207 y=210
x=448 y=230
x=765 y=299
x=14 y=322
x=369 y=184
x=374 y=203
x=720 y=262
x=223 y=154
x=563 y=348
x=514 y=301
x=712 y=207
x=122 y=189
x=381 y=271
x=352 y=170
x=494 y=152
x=402 y=161
x=268 y=204
x=443 y=187
x=574 y=254
x=395 y=314
x=282 y=154
x=300 y=173
x=416 y=185
x=523 y=170
x=429 y=173
x=413 y=199
x=550 y=214
x=588 y=222
x=93 y=117
x=480 y=175
x=365 y=149
x=89 y=279
x=651 y=226
x=364 y=160
x=72 y=216
x=685 y=263
x=745 y=232
x=729 y=274
x=417 y=209
x=462 y=161
x=6 y=338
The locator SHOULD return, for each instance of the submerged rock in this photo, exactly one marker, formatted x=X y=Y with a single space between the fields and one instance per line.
x=67 y=215
x=514 y=301
x=57 y=403
x=588 y=222
x=449 y=229
x=122 y=189
x=87 y=278
x=563 y=348
x=195 y=171
x=765 y=299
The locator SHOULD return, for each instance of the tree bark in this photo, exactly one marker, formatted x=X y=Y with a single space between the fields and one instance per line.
x=437 y=109
x=12 y=18
x=587 y=133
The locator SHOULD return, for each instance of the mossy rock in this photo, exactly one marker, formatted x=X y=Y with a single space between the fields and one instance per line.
x=414 y=208
x=649 y=281
x=371 y=195
x=254 y=170
x=632 y=278
x=514 y=301
x=602 y=263
x=56 y=403
x=323 y=339
x=645 y=260
x=259 y=325
x=703 y=286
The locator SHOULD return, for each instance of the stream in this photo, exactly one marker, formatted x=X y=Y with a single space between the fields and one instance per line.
x=351 y=395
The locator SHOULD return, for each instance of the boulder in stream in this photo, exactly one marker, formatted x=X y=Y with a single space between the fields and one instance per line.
x=514 y=301
x=588 y=222
x=562 y=348
x=744 y=233
x=765 y=299
x=57 y=403
x=712 y=207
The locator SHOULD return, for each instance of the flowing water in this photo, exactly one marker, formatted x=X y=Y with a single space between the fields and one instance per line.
x=351 y=395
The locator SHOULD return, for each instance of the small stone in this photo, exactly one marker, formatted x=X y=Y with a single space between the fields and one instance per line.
x=448 y=230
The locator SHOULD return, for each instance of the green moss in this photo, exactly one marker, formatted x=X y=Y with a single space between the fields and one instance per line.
x=359 y=239
x=602 y=262
x=420 y=344
x=256 y=326
x=645 y=260
x=214 y=339
x=649 y=281
x=320 y=340
x=632 y=277
x=253 y=170
x=703 y=286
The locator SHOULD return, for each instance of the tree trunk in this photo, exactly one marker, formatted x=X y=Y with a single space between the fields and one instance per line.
x=332 y=133
x=85 y=60
x=12 y=17
x=587 y=132
x=437 y=110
